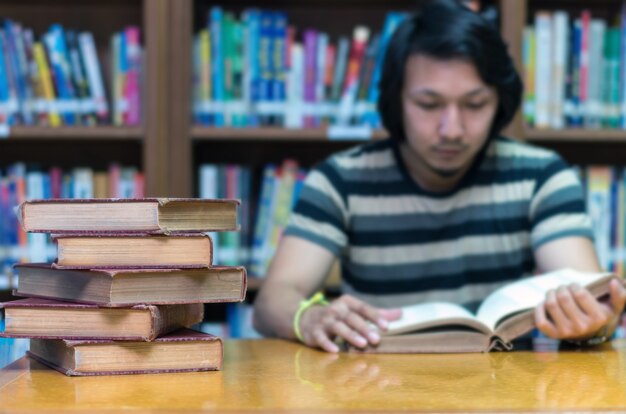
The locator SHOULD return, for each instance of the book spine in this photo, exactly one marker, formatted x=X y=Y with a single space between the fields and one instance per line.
x=217 y=61
x=168 y=318
x=279 y=64
x=543 y=23
x=392 y=21
x=131 y=87
x=310 y=74
x=94 y=75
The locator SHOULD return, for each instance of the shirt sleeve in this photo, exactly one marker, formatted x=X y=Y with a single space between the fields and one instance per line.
x=558 y=205
x=320 y=214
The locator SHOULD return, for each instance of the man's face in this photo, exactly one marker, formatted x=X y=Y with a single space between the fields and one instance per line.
x=447 y=112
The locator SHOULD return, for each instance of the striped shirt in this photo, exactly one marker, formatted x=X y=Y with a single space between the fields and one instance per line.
x=400 y=244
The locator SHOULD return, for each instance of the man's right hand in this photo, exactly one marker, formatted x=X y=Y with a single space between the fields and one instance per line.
x=347 y=318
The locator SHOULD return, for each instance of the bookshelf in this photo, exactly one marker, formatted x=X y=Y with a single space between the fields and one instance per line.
x=142 y=147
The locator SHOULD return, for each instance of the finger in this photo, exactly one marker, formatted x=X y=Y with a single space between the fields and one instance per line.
x=340 y=329
x=358 y=324
x=594 y=311
x=339 y=309
x=618 y=296
x=569 y=297
x=321 y=339
x=554 y=312
x=390 y=314
x=543 y=323
x=366 y=311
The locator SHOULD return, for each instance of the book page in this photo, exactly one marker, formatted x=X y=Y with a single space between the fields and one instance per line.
x=433 y=314
x=530 y=292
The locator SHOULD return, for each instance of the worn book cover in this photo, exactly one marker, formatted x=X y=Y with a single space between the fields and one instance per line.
x=127 y=287
x=144 y=215
x=182 y=351
x=53 y=319
x=127 y=250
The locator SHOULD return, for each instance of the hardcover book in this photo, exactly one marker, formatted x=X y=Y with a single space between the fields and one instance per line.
x=145 y=215
x=110 y=251
x=505 y=315
x=51 y=319
x=127 y=287
x=182 y=351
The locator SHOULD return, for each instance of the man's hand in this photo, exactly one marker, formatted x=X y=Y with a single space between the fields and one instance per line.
x=574 y=313
x=348 y=318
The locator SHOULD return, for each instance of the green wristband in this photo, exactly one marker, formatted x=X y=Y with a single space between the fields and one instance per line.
x=316 y=299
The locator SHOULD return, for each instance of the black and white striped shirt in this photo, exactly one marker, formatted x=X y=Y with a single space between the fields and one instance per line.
x=400 y=244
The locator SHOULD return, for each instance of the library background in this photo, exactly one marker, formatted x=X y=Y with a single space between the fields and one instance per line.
x=190 y=98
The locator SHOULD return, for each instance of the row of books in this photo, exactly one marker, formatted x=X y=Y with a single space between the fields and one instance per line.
x=258 y=70
x=19 y=183
x=606 y=205
x=57 y=80
x=261 y=225
x=129 y=279
x=574 y=69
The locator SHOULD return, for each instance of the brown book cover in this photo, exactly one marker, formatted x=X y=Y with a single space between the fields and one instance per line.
x=182 y=351
x=127 y=287
x=142 y=215
x=52 y=319
x=127 y=251
x=506 y=314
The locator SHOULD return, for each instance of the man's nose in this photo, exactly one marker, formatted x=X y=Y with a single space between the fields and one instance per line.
x=451 y=123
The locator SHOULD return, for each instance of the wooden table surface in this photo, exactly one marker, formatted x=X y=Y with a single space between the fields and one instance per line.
x=274 y=375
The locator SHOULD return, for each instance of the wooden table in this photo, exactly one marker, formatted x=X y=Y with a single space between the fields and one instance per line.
x=274 y=375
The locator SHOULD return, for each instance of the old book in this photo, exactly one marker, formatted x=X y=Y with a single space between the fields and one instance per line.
x=503 y=316
x=133 y=251
x=51 y=319
x=124 y=287
x=182 y=351
x=146 y=215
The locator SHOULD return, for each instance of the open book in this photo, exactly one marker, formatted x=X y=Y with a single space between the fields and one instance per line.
x=506 y=314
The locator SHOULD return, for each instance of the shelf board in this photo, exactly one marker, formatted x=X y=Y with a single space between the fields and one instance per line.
x=576 y=135
x=269 y=134
x=76 y=132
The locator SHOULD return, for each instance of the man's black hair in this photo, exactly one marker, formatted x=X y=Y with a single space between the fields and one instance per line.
x=445 y=29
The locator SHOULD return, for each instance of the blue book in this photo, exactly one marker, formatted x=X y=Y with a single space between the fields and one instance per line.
x=15 y=43
x=5 y=96
x=392 y=21
x=279 y=64
x=266 y=66
x=252 y=21
x=217 y=60
x=59 y=68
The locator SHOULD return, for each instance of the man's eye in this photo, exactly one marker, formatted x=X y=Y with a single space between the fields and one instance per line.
x=428 y=106
x=474 y=106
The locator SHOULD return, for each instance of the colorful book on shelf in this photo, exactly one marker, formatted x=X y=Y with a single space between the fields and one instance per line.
x=126 y=251
x=145 y=215
x=94 y=75
x=506 y=314
x=127 y=287
x=182 y=351
x=52 y=319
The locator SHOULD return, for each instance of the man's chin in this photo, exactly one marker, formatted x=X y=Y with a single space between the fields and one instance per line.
x=447 y=172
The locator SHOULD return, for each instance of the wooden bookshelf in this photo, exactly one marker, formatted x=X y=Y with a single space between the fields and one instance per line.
x=77 y=132
x=271 y=134
x=576 y=135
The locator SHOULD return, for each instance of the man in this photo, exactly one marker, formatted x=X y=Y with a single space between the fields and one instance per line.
x=446 y=209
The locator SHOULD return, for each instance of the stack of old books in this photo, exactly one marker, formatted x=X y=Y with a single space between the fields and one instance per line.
x=130 y=278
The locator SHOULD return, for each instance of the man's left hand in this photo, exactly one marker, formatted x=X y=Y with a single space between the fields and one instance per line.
x=572 y=312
